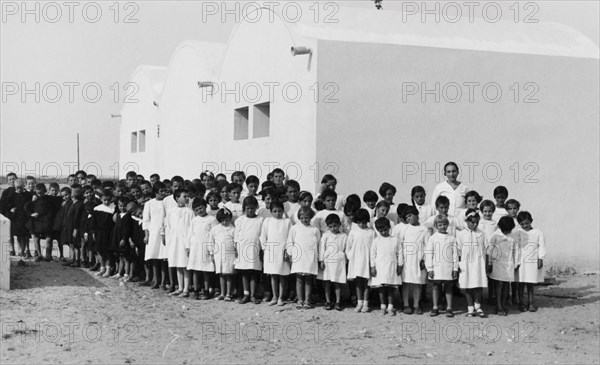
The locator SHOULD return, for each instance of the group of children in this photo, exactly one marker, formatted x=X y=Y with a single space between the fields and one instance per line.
x=215 y=238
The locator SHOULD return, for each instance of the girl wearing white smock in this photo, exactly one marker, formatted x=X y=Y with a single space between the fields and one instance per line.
x=153 y=220
x=246 y=237
x=533 y=250
x=178 y=222
x=273 y=240
x=200 y=244
x=332 y=248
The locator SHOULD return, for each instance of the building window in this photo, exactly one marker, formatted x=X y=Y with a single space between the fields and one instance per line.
x=133 y=142
x=261 y=120
x=142 y=141
x=240 y=124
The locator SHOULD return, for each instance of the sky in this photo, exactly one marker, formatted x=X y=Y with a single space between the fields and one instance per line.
x=63 y=68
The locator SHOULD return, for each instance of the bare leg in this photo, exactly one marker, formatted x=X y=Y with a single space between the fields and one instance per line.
x=300 y=288
x=416 y=290
x=435 y=290
x=405 y=291
x=448 y=291
x=327 y=285
x=275 y=286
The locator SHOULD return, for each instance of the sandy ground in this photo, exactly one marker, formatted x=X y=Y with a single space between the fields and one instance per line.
x=56 y=314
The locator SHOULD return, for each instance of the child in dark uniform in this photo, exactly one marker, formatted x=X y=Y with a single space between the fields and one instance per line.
x=117 y=242
x=15 y=207
x=61 y=219
x=72 y=223
x=102 y=229
x=40 y=210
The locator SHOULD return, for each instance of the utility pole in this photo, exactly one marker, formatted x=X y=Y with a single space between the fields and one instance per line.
x=78 y=168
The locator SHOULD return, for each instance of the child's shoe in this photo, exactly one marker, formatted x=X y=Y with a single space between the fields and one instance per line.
x=107 y=273
x=533 y=308
x=101 y=271
x=383 y=310
x=338 y=307
x=328 y=306
x=449 y=313
x=481 y=313
x=359 y=305
x=245 y=299
x=418 y=310
x=408 y=310
x=365 y=307
x=126 y=278
x=273 y=301
x=434 y=312
x=391 y=310
x=117 y=276
x=280 y=302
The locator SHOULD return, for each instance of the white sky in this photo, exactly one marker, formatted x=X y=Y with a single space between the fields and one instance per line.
x=36 y=137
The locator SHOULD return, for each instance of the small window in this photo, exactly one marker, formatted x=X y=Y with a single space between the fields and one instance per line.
x=262 y=120
x=142 y=141
x=240 y=124
x=133 y=142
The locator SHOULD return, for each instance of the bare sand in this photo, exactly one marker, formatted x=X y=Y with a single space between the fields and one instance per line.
x=56 y=314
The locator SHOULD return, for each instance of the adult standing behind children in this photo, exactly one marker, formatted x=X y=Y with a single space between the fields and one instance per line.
x=453 y=189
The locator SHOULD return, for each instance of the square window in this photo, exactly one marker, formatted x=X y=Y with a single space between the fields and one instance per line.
x=133 y=142
x=262 y=120
x=240 y=124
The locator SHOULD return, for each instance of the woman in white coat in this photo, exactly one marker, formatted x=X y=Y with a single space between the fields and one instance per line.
x=453 y=189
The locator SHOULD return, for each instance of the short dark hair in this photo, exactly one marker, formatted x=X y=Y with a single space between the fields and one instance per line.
x=249 y=201
x=223 y=214
x=328 y=193
x=332 y=219
x=362 y=216
x=198 y=202
x=382 y=223
x=442 y=200
x=512 y=201
x=524 y=216
x=252 y=180
x=506 y=224
x=500 y=190
x=487 y=203
x=370 y=196
x=276 y=204
x=385 y=187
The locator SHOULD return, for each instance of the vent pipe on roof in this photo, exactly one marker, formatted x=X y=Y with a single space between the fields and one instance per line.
x=300 y=51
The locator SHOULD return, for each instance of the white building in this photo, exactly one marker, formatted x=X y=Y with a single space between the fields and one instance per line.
x=517 y=105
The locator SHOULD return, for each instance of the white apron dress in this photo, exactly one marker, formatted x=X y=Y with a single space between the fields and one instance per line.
x=273 y=239
x=471 y=247
x=358 y=250
x=332 y=252
x=199 y=244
